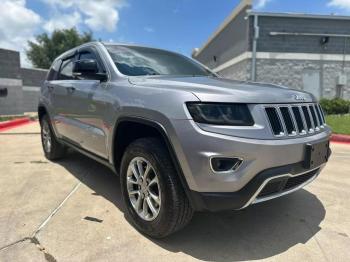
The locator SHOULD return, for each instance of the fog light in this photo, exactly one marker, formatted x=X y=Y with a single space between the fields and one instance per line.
x=223 y=164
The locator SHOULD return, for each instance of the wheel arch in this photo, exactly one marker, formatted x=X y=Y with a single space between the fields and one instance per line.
x=150 y=128
x=42 y=111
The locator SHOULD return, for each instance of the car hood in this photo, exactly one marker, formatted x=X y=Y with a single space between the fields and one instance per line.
x=212 y=89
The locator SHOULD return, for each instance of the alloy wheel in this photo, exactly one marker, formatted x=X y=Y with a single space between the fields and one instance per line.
x=46 y=136
x=143 y=188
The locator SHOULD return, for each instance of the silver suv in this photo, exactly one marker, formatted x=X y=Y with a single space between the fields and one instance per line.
x=181 y=138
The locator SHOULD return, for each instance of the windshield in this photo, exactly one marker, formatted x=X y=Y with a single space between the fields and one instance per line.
x=139 y=61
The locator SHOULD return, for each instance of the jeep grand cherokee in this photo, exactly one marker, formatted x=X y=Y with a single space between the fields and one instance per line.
x=181 y=138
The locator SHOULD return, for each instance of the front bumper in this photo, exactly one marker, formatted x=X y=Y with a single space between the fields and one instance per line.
x=263 y=160
x=269 y=184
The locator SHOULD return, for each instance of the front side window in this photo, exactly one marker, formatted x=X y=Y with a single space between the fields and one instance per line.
x=87 y=55
x=66 y=72
x=54 y=70
x=138 y=61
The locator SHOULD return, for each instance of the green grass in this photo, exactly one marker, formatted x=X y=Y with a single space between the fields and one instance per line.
x=6 y=118
x=340 y=124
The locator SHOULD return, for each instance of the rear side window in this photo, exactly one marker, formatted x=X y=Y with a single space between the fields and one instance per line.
x=66 y=71
x=54 y=70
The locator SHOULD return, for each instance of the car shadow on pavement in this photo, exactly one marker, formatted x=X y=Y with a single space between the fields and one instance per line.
x=258 y=232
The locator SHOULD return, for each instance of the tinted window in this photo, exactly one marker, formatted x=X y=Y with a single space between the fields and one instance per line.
x=66 y=72
x=136 y=61
x=87 y=55
x=54 y=70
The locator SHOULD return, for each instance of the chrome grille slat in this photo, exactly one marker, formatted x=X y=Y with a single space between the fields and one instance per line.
x=311 y=118
x=307 y=117
x=288 y=120
x=322 y=114
x=306 y=129
x=282 y=120
x=319 y=115
x=299 y=120
x=295 y=119
x=314 y=118
x=274 y=121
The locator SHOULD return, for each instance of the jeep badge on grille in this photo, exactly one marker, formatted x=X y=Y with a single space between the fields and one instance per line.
x=299 y=98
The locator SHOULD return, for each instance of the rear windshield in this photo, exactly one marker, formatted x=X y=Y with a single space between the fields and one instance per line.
x=138 y=61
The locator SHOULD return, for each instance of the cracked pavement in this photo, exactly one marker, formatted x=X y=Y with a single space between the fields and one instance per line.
x=71 y=210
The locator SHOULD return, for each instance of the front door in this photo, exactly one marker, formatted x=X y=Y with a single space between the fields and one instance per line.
x=62 y=89
x=86 y=111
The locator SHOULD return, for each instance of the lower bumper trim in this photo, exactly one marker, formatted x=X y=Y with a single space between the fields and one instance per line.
x=250 y=193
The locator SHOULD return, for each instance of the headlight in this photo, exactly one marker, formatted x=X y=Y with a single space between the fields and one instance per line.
x=220 y=114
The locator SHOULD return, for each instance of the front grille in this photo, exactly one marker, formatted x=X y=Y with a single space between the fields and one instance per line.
x=293 y=120
x=279 y=185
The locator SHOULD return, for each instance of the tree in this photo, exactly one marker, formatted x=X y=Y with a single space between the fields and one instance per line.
x=46 y=48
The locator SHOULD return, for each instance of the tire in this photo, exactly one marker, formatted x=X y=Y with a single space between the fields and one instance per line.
x=54 y=150
x=174 y=210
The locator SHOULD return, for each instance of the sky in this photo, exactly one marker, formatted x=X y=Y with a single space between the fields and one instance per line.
x=177 y=25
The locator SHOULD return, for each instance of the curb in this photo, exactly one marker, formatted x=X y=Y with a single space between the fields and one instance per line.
x=345 y=139
x=14 y=123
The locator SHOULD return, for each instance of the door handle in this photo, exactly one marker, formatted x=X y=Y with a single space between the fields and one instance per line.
x=50 y=88
x=70 y=89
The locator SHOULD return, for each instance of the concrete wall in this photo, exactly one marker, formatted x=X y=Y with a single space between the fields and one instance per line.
x=301 y=54
x=9 y=64
x=239 y=71
x=33 y=77
x=302 y=44
x=230 y=42
x=22 y=84
x=289 y=73
x=12 y=103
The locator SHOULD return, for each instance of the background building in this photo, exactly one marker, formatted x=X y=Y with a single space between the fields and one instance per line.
x=301 y=51
x=19 y=87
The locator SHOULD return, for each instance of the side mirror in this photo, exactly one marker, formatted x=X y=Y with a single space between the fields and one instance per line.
x=87 y=69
